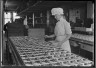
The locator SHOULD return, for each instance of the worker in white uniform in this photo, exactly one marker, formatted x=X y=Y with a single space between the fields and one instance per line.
x=62 y=29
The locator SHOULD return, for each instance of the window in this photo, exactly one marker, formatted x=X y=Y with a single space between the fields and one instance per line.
x=7 y=16
x=15 y=16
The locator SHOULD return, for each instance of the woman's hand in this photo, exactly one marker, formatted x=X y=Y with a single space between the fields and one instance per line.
x=46 y=36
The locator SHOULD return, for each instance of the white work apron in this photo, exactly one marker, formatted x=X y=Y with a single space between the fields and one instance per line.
x=65 y=45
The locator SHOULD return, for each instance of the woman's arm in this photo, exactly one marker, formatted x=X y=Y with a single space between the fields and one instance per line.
x=67 y=37
x=50 y=36
x=68 y=32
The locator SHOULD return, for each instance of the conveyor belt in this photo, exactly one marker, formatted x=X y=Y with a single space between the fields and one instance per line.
x=35 y=52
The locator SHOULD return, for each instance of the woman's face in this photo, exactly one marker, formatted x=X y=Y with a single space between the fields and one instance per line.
x=57 y=17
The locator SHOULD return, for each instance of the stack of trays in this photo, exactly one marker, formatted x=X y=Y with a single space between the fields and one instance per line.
x=41 y=53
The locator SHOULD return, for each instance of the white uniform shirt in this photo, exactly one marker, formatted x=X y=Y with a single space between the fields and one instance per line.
x=61 y=29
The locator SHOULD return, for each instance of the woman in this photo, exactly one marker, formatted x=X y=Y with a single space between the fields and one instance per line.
x=62 y=29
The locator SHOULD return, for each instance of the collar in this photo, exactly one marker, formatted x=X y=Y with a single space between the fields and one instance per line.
x=62 y=19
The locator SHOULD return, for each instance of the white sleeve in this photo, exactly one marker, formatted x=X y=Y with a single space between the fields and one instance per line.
x=67 y=28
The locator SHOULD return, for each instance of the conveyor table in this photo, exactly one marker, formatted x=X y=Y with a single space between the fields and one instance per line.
x=29 y=51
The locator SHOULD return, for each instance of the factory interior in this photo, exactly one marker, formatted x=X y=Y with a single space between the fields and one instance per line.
x=25 y=25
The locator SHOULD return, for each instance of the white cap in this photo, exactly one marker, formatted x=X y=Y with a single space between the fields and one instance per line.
x=57 y=11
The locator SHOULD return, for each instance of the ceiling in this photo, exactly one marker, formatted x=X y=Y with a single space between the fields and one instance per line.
x=33 y=5
x=46 y=5
x=14 y=5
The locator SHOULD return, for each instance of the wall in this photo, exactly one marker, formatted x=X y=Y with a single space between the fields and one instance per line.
x=89 y=9
x=82 y=8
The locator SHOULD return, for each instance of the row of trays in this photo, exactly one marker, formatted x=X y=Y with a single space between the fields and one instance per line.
x=84 y=37
x=35 y=52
